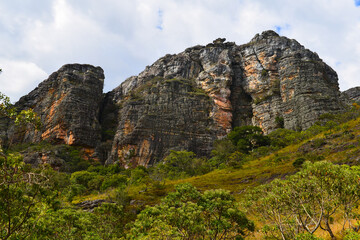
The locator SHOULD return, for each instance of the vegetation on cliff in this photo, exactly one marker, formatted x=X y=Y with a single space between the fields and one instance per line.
x=317 y=198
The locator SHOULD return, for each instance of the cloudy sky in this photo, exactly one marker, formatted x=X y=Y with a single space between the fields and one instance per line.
x=37 y=37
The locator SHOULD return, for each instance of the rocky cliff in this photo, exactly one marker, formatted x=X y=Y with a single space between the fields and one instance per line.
x=185 y=101
x=189 y=99
x=351 y=95
x=68 y=103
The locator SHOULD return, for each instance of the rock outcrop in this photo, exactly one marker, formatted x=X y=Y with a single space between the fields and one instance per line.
x=351 y=95
x=185 y=101
x=68 y=103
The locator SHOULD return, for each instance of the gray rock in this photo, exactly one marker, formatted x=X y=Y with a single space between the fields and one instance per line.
x=270 y=77
x=351 y=95
x=183 y=101
x=68 y=103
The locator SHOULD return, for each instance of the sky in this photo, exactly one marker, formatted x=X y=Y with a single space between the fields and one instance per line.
x=37 y=37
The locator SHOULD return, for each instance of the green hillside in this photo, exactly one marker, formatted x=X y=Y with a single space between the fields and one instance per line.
x=91 y=201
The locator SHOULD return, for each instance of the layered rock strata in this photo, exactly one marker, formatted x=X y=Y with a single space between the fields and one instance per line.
x=68 y=104
x=185 y=101
x=351 y=95
x=270 y=82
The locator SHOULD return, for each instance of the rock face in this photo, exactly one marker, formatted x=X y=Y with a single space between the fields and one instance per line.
x=187 y=100
x=68 y=103
x=351 y=95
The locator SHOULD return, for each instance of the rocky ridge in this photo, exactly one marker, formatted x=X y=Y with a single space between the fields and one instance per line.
x=184 y=101
x=351 y=95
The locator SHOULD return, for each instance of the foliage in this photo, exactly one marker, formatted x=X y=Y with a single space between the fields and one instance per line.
x=105 y=222
x=23 y=117
x=66 y=223
x=309 y=199
x=284 y=137
x=279 y=121
x=22 y=190
x=181 y=164
x=299 y=162
x=247 y=138
x=306 y=236
x=188 y=214
x=115 y=180
x=221 y=152
x=351 y=235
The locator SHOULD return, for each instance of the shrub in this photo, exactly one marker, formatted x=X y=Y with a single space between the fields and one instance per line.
x=189 y=214
x=95 y=183
x=221 y=151
x=279 y=121
x=139 y=175
x=307 y=236
x=82 y=177
x=116 y=180
x=179 y=164
x=298 y=162
x=351 y=235
x=284 y=137
x=247 y=138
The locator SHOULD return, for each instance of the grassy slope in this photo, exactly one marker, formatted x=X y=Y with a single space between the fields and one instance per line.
x=339 y=146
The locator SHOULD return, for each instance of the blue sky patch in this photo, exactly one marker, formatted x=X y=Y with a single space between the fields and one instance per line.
x=357 y=3
x=280 y=28
x=160 y=20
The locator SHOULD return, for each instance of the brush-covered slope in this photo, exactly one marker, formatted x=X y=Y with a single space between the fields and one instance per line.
x=339 y=145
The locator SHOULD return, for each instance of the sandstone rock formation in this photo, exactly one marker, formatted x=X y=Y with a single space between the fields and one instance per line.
x=68 y=103
x=268 y=81
x=351 y=95
x=185 y=101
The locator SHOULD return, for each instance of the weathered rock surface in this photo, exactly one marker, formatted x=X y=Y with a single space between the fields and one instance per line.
x=351 y=95
x=68 y=103
x=269 y=79
x=90 y=205
x=185 y=101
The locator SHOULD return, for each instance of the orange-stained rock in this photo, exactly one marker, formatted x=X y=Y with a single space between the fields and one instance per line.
x=68 y=103
x=183 y=101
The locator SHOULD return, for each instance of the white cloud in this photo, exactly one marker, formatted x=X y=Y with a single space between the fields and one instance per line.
x=124 y=36
x=18 y=77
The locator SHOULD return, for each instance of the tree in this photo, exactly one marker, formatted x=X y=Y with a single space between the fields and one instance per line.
x=309 y=199
x=23 y=117
x=247 y=138
x=188 y=214
x=21 y=192
x=180 y=164
x=21 y=188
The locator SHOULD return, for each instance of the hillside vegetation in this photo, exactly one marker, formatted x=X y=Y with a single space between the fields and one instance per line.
x=177 y=198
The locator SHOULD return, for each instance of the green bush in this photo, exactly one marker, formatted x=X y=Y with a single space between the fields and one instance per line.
x=139 y=175
x=116 y=180
x=351 y=235
x=106 y=170
x=298 y=162
x=82 y=177
x=95 y=183
x=284 y=137
x=75 y=190
x=180 y=164
x=248 y=138
x=222 y=149
x=307 y=236
x=189 y=214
